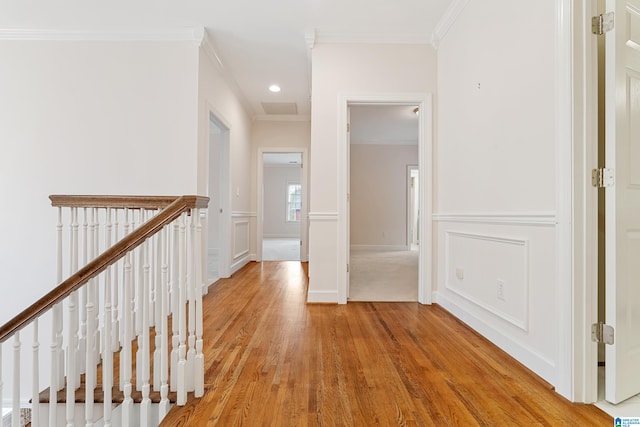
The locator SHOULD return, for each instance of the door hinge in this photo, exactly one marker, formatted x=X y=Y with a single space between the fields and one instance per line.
x=602 y=178
x=602 y=333
x=347 y=268
x=348 y=127
x=602 y=23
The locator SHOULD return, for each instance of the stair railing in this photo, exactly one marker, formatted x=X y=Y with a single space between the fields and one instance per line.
x=128 y=288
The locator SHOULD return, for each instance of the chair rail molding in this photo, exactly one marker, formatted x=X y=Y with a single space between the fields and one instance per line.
x=521 y=218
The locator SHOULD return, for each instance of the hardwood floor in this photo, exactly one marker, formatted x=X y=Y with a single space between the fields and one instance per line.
x=272 y=360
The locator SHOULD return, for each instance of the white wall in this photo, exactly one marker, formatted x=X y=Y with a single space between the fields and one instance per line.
x=86 y=118
x=216 y=95
x=278 y=134
x=340 y=69
x=496 y=181
x=276 y=179
x=379 y=193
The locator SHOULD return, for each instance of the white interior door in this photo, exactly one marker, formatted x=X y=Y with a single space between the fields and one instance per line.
x=623 y=200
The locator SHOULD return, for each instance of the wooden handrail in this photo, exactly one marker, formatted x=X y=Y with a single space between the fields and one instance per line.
x=104 y=260
x=132 y=202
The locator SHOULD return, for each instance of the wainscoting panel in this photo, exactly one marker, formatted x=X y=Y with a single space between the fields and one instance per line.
x=497 y=281
x=241 y=239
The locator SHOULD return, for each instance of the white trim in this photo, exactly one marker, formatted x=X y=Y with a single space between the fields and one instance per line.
x=578 y=356
x=225 y=243
x=193 y=34
x=448 y=18
x=238 y=214
x=209 y=47
x=424 y=101
x=328 y=37
x=521 y=324
x=304 y=216
x=323 y=216
x=240 y=263
x=525 y=218
x=322 y=297
x=538 y=363
x=564 y=203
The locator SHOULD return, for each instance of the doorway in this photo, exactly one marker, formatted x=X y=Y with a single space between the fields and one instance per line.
x=423 y=103
x=282 y=225
x=383 y=145
x=282 y=206
x=218 y=212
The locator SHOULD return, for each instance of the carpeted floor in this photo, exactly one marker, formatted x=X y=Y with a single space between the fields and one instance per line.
x=280 y=249
x=383 y=275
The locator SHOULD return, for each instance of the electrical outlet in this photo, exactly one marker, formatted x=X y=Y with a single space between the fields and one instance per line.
x=459 y=273
x=500 y=290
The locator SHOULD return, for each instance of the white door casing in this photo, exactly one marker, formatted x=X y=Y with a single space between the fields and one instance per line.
x=425 y=162
x=304 y=223
x=622 y=105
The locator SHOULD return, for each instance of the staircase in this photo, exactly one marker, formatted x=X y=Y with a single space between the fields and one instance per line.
x=125 y=326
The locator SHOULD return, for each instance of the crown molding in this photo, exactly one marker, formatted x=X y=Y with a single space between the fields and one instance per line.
x=371 y=38
x=448 y=18
x=208 y=46
x=193 y=34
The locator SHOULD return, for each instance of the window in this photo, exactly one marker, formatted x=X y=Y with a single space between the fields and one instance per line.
x=294 y=202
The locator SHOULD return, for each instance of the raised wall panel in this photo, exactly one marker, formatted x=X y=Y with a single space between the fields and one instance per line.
x=240 y=238
x=490 y=271
x=633 y=95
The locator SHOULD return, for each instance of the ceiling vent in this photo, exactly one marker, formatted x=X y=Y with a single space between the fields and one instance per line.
x=280 y=108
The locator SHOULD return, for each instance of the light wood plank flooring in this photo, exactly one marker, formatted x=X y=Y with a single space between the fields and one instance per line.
x=272 y=360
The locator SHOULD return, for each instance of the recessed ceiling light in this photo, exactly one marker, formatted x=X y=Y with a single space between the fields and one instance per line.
x=274 y=88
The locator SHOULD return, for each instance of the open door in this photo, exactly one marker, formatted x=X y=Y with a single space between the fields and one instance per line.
x=623 y=200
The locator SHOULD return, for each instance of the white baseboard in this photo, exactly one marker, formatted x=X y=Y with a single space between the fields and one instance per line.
x=281 y=236
x=244 y=260
x=322 y=297
x=539 y=364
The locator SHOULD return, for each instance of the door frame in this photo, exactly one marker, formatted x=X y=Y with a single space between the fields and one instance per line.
x=411 y=168
x=224 y=268
x=577 y=201
x=304 y=223
x=425 y=164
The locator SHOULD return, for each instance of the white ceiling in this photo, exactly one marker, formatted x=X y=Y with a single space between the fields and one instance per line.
x=260 y=42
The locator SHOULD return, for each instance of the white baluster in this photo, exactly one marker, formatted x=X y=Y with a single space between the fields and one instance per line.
x=58 y=317
x=153 y=252
x=82 y=340
x=203 y=252
x=175 y=300
x=1 y=382
x=199 y=359
x=53 y=378
x=73 y=374
x=142 y=266
x=115 y=344
x=144 y=350
x=191 y=323
x=15 y=409
x=181 y=398
x=107 y=355
x=96 y=295
x=90 y=368
x=164 y=341
x=35 y=381
x=125 y=353
x=156 y=313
